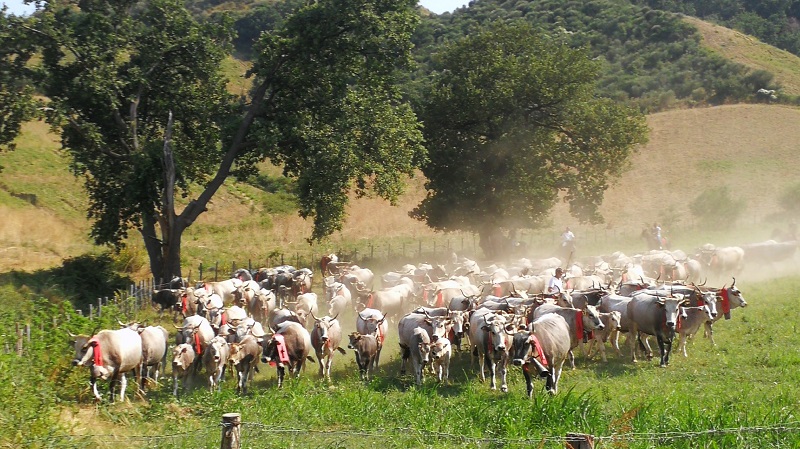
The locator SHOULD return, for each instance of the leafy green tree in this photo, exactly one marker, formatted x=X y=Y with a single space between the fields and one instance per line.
x=789 y=199
x=512 y=122
x=142 y=109
x=17 y=103
x=716 y=208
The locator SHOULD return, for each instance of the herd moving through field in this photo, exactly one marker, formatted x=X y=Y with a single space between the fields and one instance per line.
x=502 y=315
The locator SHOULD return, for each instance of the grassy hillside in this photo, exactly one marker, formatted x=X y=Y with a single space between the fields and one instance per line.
x=749 y=148
x=751 y=52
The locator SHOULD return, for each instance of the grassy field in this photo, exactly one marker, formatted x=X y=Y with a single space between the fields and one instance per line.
x=740 y=394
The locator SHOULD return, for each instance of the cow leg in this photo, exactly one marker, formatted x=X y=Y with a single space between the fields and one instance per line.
x=709 y=332
x=682 y=344
x=503 y=371
x=123 y=384
x=321 y=360
x=571 y=358
x=328 y=363
x=406 y=353
x=93 y=382
x=662 y=347
x=528 y=380
x=492 y=372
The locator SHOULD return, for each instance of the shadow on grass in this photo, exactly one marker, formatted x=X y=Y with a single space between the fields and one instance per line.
x=81 y=280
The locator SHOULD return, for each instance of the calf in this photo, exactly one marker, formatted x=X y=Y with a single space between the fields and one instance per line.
x=373 y=322
x=366 y=350
x=182 y=360
x=440 y=358
x=215 y=357
x=244 y=358
x=695 y=317
x=610 y=332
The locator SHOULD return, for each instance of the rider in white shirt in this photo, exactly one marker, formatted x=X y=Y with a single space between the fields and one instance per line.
x=555 y=285
x=567 y=238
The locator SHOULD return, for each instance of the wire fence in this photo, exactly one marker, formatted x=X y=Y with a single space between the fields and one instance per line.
x=259 y=435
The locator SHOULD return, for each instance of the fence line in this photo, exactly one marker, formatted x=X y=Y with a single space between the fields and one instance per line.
x=252 y=430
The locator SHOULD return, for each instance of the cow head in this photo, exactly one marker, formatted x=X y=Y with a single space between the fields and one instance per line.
x=438 y=325
x=591 y=318
x=182 y=356
x=495 y=326
x=522 y=343
x=671 y=307
x=440 y=348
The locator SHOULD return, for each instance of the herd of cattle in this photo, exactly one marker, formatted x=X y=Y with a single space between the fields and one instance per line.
x=272 y=316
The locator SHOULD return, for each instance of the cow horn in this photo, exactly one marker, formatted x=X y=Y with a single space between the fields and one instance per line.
x=71 y=334
x=337 y=316
x=315 y=318
x=122 y=324
x=704 y=281
x=361 y=316
x=176 y=327
x=383 y=318
x=734 y=282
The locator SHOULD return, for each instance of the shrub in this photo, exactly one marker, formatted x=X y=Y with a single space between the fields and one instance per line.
x=790 y=199
x=716 y=208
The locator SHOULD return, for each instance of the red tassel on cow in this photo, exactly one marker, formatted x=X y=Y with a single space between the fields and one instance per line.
x=198 y=348
x=726 y=303
x=539 y=351
x=439 y=300
x=97 y=353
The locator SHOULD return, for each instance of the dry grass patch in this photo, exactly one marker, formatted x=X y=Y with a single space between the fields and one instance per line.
x=751 y=52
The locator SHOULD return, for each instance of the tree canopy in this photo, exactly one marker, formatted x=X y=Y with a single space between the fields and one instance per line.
x=511 y=122
x=16 y=96
x=137 y=94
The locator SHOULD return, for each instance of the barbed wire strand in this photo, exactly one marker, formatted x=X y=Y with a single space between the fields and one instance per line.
x=382 y=433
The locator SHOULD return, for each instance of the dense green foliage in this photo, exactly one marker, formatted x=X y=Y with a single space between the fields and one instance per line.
x=789 y=200
x=16 y=101
x=650 y=58
x=716 y=208
x=774 y=22
x=511 y=120
x=142 y=107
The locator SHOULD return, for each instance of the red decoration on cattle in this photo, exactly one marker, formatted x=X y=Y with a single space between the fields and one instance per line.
x=439 y=300
x=539 y=351
x=726 y=303
x=283 y=353
x=370 y=300
x=497 y=290
x=97 y=353
x=184 y=303
x=198 y=347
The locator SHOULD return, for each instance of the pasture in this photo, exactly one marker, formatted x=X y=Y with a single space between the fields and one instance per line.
x=741 y=393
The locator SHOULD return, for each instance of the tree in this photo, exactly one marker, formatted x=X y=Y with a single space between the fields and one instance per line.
x=716 y=208
x=142 y=109
x=511 y=122
x=17 y=103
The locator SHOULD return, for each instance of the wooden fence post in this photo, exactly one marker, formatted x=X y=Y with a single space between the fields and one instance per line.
x=231 y=431
x=579 y=441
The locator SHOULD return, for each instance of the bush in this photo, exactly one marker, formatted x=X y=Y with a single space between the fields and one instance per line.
x=790 y=199
x=716 y=208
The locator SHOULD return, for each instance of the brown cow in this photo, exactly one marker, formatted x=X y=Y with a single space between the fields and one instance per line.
x=244 y=357
x=289 y=346
x=366 y=350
